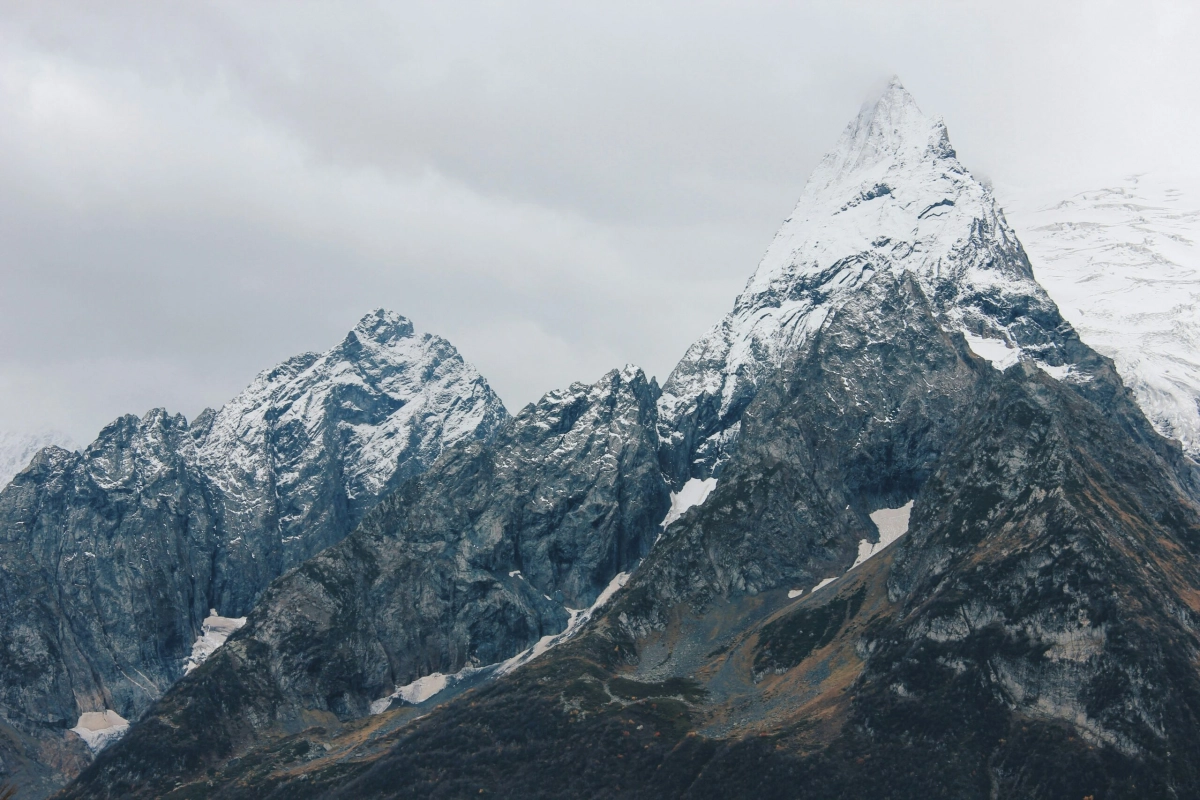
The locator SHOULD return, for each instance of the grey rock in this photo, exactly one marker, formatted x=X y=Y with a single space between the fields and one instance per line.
x=466 y=565
x=113 y=557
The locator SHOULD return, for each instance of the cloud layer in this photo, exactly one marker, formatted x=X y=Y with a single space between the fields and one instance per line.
x=190 y=193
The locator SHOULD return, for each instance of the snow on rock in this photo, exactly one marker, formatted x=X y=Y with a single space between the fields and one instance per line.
x=578 y=619
x=823 y=584
x=17 y=449
x=386 y=400
x=891 y=198
x=99 y=729
x=1123 y=265
x=892 y=524
x=693 y=493
x=997 y=352
x=216 y=629
x=424 y=688
x=428 y=686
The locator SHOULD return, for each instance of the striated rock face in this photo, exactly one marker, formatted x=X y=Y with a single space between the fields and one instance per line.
x=891 y=198
x=112 y=558
x=471 y=563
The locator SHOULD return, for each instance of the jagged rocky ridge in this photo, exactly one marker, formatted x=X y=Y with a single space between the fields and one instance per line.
x=1032 y=635
x=469 y=564
x=112 y=558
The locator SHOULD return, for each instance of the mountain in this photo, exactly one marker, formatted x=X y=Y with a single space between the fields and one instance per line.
x=298 y=457
x=115 y=558
x=1123 y=265
x=891 y=198
x=891 y=529
x=496 y=548
x=17 y=449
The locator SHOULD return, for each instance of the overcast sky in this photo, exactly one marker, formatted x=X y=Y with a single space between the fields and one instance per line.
x=192 y=192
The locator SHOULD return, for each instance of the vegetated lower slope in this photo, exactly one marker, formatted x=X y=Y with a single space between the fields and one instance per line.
x=111 y=558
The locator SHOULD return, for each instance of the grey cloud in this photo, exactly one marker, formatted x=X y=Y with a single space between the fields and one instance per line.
x=192 y=192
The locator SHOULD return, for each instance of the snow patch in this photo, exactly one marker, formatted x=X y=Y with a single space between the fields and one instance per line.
x=424 y=688
x=216 y=629
x=823 y=584
x=794 y=593
x=1058 y=373
x=99 y=729
x=892 y=524
x=996 y=352
x=693 y=493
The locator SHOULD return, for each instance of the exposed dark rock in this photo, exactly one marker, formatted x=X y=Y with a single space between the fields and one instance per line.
x=466 y=565
x=112 y=558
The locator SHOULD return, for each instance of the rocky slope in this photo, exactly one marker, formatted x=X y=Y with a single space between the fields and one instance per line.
x=112 y=558
x=1033 y=634
x=1122 y=264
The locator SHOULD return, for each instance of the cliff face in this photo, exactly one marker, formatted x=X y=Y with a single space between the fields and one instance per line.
x=495 y=547
x=113 y=557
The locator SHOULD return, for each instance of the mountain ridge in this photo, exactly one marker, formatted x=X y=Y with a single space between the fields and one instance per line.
x=114 y=557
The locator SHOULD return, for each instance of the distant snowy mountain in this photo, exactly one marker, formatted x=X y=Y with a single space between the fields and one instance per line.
x=891 y=198
x=1123 y=264
x=18 y=449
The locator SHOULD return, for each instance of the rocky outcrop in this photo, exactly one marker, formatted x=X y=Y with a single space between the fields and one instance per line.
x=113 y=558
x=296 y=459
x=496 y=546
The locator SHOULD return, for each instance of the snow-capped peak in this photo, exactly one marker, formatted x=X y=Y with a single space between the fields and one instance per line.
x=892 y=129
x=890 y=198
x=381 y=404
x=383 y=326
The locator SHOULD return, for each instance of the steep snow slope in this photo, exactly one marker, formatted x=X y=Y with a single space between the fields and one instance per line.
x=18 y=449
x=1123 y=266
x=892 y=197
